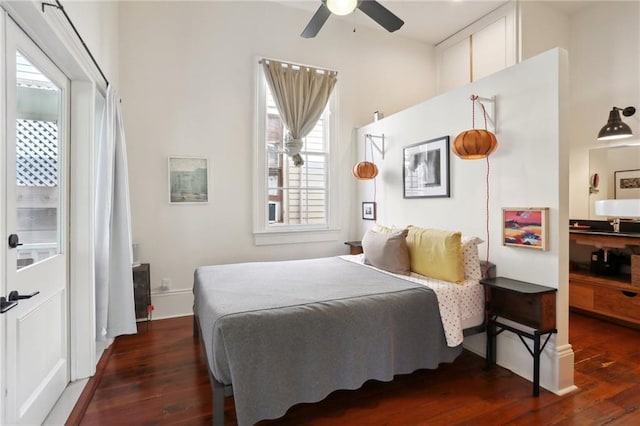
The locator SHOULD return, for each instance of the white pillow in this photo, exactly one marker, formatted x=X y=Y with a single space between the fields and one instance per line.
x=470 y=258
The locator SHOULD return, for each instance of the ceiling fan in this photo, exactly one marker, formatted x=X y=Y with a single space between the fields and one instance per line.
x=372 y=8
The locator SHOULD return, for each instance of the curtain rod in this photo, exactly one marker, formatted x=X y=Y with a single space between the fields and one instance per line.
x=59 y=6
x=299 y=65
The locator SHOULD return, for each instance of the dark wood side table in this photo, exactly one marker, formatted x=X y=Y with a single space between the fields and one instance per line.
x=525 y=303
x=142 y=291
x=354 y=246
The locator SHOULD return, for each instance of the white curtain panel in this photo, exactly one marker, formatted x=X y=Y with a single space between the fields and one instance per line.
x=115 y=307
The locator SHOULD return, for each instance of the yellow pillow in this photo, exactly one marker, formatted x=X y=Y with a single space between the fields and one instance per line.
x=436 y=254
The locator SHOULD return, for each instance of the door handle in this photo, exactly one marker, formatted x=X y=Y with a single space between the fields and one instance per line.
x=15 y=296
x=12 y=301
x=5 y=304
x=14 y=241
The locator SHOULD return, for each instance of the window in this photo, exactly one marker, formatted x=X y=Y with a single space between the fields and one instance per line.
x=37 y=163
x=291 y=199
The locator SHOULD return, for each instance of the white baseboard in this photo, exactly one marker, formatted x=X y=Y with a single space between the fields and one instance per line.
x=172 y=303
x=564 y=366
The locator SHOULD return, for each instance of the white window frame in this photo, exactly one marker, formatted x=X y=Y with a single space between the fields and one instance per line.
x=264 y=234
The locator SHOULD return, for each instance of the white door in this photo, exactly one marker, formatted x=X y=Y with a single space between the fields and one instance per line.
x=35 y=162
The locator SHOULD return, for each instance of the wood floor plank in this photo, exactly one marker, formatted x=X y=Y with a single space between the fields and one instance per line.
x=159 y=377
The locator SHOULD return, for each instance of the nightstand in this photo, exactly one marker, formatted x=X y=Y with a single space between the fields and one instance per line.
x=354 y=246
x=529 y=304
x=142 y=291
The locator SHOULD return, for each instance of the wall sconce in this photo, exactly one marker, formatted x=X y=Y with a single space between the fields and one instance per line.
x=366 y=170
x=625 y=208
x=476 y=143
x=615 y=127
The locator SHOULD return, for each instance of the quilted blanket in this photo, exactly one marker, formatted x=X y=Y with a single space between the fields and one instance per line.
x=283 y=333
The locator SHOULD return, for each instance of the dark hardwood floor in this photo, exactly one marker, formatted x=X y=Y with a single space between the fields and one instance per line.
x=159 y=376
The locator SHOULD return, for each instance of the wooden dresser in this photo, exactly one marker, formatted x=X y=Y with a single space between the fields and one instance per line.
x=615 y=297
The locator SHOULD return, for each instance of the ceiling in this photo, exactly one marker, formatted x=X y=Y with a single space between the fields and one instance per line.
x=430 y=21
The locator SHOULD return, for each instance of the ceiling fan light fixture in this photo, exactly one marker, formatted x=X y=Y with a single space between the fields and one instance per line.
x=342 y=7
x=374 y=10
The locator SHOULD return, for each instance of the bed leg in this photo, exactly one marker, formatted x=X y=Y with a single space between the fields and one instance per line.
x=196 y=327
x=218 y=402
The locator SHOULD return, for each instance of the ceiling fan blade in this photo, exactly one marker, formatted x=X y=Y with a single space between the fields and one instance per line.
x=381 y=15
x=316 y=22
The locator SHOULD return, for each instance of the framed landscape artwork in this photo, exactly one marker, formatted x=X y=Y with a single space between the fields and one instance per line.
x=525 y=227
x=425 y=171
x=188 y=180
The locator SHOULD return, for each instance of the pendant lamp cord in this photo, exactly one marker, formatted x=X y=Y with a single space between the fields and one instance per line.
x=484 y=113
x=473 y=111
x=474 y=98
x=365 y=159
x=374 y=179
x=486 y=271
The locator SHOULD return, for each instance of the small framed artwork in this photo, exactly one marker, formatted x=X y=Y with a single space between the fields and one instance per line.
x=369 y=210
x=425 y=172
x=525 y=227
x=627 y=184
x=188 y=180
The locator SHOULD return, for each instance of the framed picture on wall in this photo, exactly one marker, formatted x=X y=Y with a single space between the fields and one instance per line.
x=627 y=184
x=525 y=227
x=188 y=180
x=369 y=210
x=425 y=171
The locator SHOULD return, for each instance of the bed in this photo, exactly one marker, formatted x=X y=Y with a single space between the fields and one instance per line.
x=277 y=334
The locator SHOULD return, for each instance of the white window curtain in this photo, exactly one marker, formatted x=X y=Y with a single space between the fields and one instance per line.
x=301 y=94
x=115 y=307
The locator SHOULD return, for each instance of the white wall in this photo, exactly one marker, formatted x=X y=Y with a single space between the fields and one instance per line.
x=529 y=169
x=543 y=26
x=605 y=72
x=187 y=73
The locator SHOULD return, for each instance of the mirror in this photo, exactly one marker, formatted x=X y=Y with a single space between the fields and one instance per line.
x=614 y=172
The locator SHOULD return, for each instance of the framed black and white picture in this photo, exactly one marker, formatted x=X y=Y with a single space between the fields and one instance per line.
x=627 y=184
x=369 y=210
x=188 y=180
x=426 y=169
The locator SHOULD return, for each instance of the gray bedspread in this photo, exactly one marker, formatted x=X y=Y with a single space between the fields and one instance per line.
x=288 y=332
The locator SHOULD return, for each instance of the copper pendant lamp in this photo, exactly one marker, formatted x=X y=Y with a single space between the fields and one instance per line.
x=475 y=143
x=367 y=170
